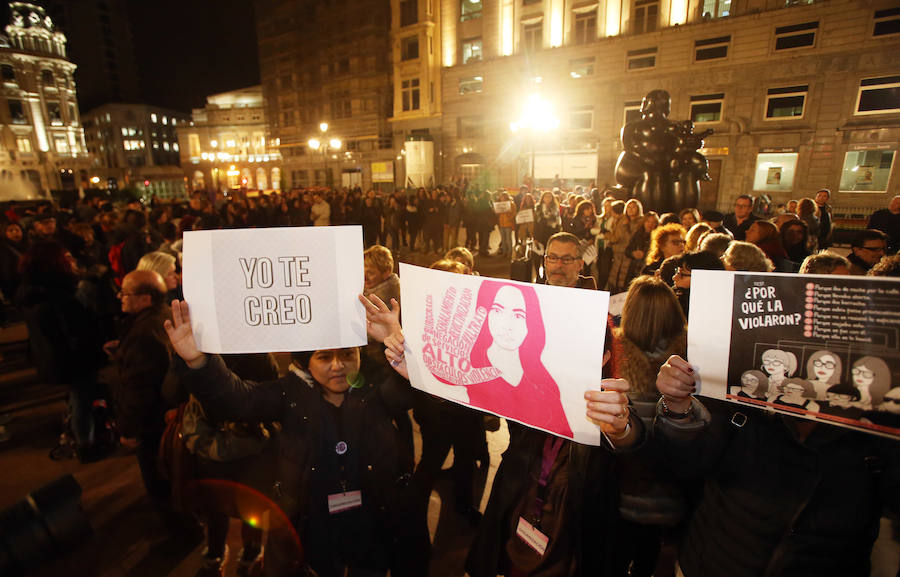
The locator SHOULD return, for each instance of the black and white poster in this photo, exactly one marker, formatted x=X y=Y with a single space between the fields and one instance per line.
x=818 y=347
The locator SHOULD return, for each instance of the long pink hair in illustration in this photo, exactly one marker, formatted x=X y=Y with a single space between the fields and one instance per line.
x=535 y=398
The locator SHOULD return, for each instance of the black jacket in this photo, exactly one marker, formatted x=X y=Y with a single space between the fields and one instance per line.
x=774 y=505
x=376 y=535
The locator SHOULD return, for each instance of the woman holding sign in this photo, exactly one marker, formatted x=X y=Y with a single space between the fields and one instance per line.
x=343 y=478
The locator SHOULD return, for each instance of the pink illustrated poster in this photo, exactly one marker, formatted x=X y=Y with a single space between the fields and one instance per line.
x=521 y=351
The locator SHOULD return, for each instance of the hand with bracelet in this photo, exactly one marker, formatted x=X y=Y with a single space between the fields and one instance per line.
x=608 y=407
x=676 y=382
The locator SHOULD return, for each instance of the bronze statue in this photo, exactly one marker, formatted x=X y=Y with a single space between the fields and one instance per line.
x=661 y=165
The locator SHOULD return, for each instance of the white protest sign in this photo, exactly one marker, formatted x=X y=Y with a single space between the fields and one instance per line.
x=521 y=351
x=502 y=207
x=819 y=347
x=525 y=216
x=275 y=289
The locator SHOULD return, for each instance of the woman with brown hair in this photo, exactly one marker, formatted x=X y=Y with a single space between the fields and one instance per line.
x=619 y=239
x=806 y=210
x=667 y=240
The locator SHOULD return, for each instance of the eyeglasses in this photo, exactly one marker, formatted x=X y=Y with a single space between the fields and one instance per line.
x=879 y=248
x=121 y=294
x=773 y=362
x=887 y=400
x=681 y=273
x=827 y=364
x=864 y=373
x=566 y=260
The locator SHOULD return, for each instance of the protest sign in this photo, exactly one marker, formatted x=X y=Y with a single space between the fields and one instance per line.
x=818 y=347
x=521 y=351
x=525 y=216
x=275 y=289
x=502 y=207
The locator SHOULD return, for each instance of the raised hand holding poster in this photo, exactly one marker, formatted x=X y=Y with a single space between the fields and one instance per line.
x=819 y=347
x=275 y=289
x=521 y=351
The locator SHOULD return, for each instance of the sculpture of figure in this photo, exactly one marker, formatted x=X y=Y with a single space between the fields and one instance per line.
x=660 y=164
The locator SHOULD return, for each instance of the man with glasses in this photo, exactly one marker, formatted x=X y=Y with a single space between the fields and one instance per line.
x=563 y=262
x=740 y=220
x=866 y=249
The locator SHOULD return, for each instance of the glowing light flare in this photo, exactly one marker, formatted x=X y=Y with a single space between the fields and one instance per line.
x=556 y=23
x=95 y=179
x=613 y=18
x=323 y=126
x=537 y=115
x=677 y=12
x=335 y=143
x=507 y=26
x=314 y=143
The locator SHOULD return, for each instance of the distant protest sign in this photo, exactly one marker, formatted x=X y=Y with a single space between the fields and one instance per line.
x=521 y=351
x=819 y=347
x=275 y=289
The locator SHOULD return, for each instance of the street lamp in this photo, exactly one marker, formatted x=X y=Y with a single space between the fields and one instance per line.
x=325 y=148
x=537 y=116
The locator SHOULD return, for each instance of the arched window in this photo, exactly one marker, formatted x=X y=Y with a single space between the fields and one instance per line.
x=261 y=180
x=276 y=178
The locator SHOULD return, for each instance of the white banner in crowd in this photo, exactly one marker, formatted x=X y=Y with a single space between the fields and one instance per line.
x=819 y=347
x=521 y=351
x=275 y=289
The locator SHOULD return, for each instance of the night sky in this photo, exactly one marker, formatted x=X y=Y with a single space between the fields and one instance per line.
x=188 y=49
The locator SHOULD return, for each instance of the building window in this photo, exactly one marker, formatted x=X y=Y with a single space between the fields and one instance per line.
x=866 y=170
x=470 y=127
x=471 y=50
x=471 y=84
x=645 y=16
x=287 y=118
x=341 y=66
x=409 y=12
x=887 y=22
x=194 y=144
x=707 y=107
x=54 y=113
x=341 y=106
x=8 y=73
x=581 y=118
x=786 y=103
x=17 y=112
x=632 y=112
x=878 y=95
x=796 y=36
x=716 y=8
x=153 y=117
x=23 y=144
x=72 y=114
x=775 y=171
x=641 y=59
x=409 y=48
x=62 y=144
x=47 y=78
x=711 y=48
x=581 y=67
x=469 y=9
x=527 y=2
x=410 y=94
x=585 y=27
x=532 y=36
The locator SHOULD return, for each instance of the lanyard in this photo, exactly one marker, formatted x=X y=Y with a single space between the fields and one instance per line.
x=552 y=446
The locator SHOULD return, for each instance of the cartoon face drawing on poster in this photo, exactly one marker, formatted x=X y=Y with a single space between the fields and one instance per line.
x=754 y=385
x=840 y=401
x=798 y=393
x=887 y=413
x=872 y=377
x=779 y=365
x=891 y=401
x=823 y=369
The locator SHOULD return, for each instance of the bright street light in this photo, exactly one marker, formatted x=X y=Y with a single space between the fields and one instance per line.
x=323 y=126
x=537 y=116
x=335 y=144
x=314 y=143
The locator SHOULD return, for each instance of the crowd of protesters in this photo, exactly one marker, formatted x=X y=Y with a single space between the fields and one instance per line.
x=673 y=491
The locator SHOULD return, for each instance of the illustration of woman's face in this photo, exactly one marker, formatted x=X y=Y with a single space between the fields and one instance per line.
x=824 y=367
x=749 y=383
x=507 y=320
x=862 y=376
x=773 y=365
x=793 y=392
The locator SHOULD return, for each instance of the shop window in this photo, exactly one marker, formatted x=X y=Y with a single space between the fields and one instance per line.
x=471 y=84
x=878 y=96
x=786 y=103
x=410 y=94
x=581 y=118
x=887 y=22
x=632 y=112
x=641 y=59
x=409 y=48
x=470 y=127
x=711 y=48
x=581 y=67
x=532 y=36
x=585 y=27
x=716 y=8
x=707 y=107
x=471 y=50
x=867 y=170
x=775 y=172
x=469 y=9
x=796 y=36
x=644 y=16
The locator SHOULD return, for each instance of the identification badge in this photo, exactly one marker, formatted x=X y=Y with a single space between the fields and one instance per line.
x=340 y=502
x=532 y=537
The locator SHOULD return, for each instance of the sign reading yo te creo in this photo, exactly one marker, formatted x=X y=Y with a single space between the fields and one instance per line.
x=279 y=289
